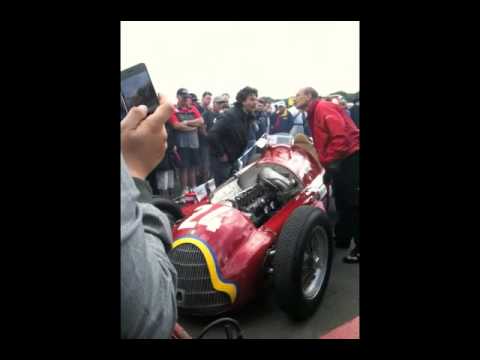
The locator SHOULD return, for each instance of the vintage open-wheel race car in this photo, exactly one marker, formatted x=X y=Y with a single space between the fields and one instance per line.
x=268 y=221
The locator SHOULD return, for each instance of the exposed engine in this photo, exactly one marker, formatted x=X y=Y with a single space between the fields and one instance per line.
x=271 y=191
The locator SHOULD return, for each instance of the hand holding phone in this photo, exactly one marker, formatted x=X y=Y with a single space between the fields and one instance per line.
x=144 y=138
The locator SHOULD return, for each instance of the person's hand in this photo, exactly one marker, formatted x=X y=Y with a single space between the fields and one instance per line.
x=188 y=127
x=192 y=123
x=144 y=138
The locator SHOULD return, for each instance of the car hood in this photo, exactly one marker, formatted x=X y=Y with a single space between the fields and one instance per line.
x=221 y=228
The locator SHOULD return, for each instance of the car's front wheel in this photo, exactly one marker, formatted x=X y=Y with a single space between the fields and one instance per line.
x=302 y=262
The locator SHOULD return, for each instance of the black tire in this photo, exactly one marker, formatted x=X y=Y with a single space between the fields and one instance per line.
x=169 y=207
x=288 y=261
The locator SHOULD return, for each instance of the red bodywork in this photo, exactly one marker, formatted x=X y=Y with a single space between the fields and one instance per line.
x=239 y=247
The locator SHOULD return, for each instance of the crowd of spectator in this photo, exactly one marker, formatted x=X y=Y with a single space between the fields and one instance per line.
x=195 y=141
x=189 y=160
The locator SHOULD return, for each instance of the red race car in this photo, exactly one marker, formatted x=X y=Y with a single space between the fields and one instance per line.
x=268 y=220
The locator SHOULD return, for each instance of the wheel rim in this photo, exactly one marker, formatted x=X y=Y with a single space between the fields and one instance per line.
x=315 y=261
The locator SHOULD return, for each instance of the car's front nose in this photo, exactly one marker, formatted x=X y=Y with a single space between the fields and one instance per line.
x=201 y=288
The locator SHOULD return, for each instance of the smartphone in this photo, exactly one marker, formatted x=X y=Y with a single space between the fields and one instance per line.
x=136 y=88
x=123 y=108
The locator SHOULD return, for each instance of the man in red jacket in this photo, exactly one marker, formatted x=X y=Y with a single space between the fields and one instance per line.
x=337 y=141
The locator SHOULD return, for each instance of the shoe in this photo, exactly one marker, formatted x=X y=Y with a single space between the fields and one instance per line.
x=353 y=258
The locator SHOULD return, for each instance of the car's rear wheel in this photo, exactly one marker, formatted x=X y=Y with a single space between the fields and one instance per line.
x=302 y=262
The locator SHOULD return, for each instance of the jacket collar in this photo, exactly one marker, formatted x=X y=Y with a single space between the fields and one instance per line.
x=245 y=115
x=311 y=108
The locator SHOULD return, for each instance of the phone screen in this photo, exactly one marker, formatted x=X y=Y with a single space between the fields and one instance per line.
x=123 y=110
x=137 y=89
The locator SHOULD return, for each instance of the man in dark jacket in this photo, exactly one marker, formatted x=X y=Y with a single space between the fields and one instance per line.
x=229 y=135
x=337 y=141
x=203 y=166
x=209 y=116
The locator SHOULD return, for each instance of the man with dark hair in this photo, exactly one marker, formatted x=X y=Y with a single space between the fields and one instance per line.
x=206 y=100
x=229 y=135
x=337 y=141
x=186 y=120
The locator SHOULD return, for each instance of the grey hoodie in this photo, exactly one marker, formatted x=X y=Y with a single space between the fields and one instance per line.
x=148 y=278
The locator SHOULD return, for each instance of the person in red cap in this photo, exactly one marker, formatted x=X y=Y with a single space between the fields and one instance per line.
x=337 y=141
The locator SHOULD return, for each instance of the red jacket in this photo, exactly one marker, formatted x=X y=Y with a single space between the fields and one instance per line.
x=335 y=135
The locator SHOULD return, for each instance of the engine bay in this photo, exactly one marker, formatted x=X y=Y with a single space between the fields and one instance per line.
x=259 y=191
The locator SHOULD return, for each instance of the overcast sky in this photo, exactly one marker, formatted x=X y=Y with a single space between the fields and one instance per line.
x=277 y=58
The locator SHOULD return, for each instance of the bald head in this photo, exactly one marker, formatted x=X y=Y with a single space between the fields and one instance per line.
x=304 y=97
x=311 y=92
